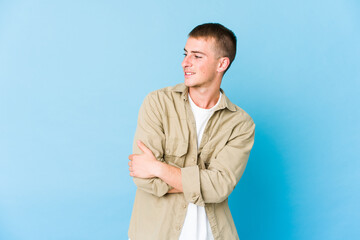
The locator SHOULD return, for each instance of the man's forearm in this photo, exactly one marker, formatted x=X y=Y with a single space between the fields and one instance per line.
x=145 y=165
x=174 y=190
x=169 y=174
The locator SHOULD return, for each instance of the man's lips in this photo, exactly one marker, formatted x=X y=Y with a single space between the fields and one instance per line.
x=189 y=73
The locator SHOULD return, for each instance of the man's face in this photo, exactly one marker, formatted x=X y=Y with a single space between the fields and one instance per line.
x=200 y=63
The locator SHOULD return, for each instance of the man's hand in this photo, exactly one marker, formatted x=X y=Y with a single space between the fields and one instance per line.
x=143 y=165
x=147 y=166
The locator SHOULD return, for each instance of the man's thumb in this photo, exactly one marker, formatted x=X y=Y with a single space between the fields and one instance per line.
x=142 y=146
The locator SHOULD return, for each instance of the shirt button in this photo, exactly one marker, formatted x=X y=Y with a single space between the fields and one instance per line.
x=178 y=228
x=184 y=206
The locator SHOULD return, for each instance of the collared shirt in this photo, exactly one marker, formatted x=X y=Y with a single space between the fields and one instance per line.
x=166 y=125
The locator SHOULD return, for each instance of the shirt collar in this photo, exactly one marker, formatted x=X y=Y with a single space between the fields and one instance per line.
x=224 y=101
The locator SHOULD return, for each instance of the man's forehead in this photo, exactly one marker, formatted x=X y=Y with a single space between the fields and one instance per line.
x=200 y=44
x=201 y=39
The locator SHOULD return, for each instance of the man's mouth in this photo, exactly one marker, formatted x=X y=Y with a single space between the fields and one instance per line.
x=189 y=73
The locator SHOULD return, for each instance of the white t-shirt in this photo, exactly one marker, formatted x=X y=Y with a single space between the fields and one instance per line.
x=196 y=224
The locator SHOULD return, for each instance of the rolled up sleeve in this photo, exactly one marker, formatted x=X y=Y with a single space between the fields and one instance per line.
x=214 y=185
x=149 y=130
x=190 y=179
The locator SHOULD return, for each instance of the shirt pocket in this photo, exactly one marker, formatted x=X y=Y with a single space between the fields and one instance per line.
x=175 y=151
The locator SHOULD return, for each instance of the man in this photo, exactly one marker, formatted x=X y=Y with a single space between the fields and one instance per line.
x=191 y=147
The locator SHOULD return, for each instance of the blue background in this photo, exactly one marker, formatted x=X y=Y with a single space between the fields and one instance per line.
x=74 y=73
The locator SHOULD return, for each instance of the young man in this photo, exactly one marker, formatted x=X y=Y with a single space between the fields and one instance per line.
x=191 y=147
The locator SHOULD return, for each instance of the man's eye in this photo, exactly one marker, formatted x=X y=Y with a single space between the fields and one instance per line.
x=197 y=56
x=185 y=54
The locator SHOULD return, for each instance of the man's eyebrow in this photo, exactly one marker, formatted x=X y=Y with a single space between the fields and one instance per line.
x=195 y=52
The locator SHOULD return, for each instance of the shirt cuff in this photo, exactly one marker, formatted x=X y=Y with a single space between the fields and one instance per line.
x=190 y=178
x=154 y=186
x=161 y=188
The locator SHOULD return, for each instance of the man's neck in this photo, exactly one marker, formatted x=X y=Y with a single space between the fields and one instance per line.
x=205 y=97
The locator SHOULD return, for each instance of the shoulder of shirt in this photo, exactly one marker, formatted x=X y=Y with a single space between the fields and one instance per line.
x=239 y=115
x=242 y=116
x=168 y=92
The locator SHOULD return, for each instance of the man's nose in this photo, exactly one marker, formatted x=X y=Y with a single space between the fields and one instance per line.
x=186 y=62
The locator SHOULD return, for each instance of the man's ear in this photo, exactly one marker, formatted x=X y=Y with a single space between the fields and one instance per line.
x=224 y=63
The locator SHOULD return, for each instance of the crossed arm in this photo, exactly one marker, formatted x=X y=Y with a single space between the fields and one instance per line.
x=145 y=165
x=199 y=186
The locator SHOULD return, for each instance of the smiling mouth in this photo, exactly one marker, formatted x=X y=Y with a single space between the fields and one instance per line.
x=189 y=73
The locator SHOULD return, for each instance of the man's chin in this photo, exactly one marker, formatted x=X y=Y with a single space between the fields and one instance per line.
x=189 y=83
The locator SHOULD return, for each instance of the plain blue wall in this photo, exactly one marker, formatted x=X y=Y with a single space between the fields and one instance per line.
x=74 y=73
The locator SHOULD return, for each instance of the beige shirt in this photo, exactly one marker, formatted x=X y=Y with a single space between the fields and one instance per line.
x=209 y=173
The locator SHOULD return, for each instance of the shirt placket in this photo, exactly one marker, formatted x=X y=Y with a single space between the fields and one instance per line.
x=209 y=208
x=182 y=208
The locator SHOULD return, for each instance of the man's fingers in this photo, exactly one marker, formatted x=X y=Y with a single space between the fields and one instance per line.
x=131 y=157
x=142 y=146
x=129 y=163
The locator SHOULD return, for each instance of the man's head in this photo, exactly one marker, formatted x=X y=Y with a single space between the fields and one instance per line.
x=225 y=39
x=209 y=52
